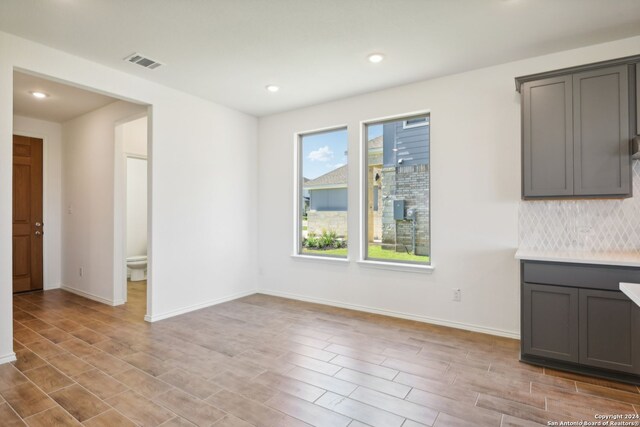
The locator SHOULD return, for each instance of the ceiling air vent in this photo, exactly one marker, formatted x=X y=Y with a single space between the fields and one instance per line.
x=136 y=58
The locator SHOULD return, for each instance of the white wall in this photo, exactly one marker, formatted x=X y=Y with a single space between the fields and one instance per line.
x=201 y=252
x=475 y=190
x=88 y=156
x=51 y=133
x=136 y=206
x=134 y=136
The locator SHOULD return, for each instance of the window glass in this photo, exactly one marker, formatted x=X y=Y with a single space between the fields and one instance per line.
x=397 y=194
x=323 y=181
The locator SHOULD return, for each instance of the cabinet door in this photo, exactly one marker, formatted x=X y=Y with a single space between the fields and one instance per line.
x=609 y=328
x=638 y=98
x=601 y=132
x=550 y=321
x=547 y=151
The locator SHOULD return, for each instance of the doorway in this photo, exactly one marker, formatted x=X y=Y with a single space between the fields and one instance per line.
x=64 y=149
x=131 y=149
x=27 y=214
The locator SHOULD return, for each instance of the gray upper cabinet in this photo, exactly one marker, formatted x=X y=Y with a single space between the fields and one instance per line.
x=576 y=132
x=548 y=137
x=637 y=71
x=602 y=164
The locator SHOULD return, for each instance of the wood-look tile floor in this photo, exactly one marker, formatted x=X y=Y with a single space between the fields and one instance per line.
x=267 y=361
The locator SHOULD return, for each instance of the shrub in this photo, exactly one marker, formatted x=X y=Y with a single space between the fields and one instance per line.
x=326 y=240
x=312 y=241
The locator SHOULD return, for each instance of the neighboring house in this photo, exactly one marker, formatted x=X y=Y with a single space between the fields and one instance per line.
x=305 y=197
x=406 y=142
x=399 y=170
x=328 y=202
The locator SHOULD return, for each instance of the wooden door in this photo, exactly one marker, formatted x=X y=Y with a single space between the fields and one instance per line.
x=27 y=214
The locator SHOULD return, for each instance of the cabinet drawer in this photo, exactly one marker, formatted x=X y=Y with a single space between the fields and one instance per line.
x=578 y=275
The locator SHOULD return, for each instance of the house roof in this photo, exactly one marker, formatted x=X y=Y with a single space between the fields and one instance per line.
x=334 y=179
x=375 y=143
x=337 y=178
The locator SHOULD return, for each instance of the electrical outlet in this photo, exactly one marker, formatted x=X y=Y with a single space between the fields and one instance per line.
x=457 y=294
x=81 y=271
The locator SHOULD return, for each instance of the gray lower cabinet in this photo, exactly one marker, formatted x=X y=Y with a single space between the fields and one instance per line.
x=550 y=327
x=574 y=317
x=576 y=133
x=609 y=325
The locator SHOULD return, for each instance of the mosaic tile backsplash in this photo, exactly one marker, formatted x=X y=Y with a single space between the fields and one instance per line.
x=582 y=225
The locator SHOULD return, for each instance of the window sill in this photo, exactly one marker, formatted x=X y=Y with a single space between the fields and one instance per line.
x=396 y=266
x=328 y=259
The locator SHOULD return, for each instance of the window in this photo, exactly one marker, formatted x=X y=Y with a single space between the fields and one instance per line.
x=397 y=219
x=322 y=194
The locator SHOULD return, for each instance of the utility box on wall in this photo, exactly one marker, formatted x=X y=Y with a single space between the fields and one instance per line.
x=398 y=210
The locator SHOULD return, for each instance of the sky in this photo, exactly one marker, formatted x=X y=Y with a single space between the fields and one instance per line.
x=324 y=152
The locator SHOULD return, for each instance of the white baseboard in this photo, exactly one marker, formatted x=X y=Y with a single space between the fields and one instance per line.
x=179 y=311
x=415 y=317
x=91 y=296
x=7 y=358
x=50 y=287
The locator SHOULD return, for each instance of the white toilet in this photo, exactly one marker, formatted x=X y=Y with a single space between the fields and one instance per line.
x=137 y=266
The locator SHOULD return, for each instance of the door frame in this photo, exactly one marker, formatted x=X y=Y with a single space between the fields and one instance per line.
x=120 y=211
x=46 y=285
x=127 y=156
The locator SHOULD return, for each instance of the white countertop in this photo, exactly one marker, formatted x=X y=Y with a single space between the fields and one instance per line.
x=627 y=259
x=632 y=290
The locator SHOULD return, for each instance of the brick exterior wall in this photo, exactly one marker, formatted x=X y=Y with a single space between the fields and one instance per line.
x=319 y=221
x=410 y=183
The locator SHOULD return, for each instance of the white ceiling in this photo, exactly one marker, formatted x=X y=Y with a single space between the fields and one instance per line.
x=64 y=102
x=227 y=51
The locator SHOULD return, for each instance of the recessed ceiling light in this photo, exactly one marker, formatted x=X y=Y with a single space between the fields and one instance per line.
x=272 y=88
x=39 y=95
x=375 y=57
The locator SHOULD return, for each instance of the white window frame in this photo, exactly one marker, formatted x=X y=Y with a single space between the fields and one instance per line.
x=298 y=195
x=363 y=259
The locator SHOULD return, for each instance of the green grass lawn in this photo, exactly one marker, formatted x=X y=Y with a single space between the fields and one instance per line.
x=332 y=252
x=375 y=252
